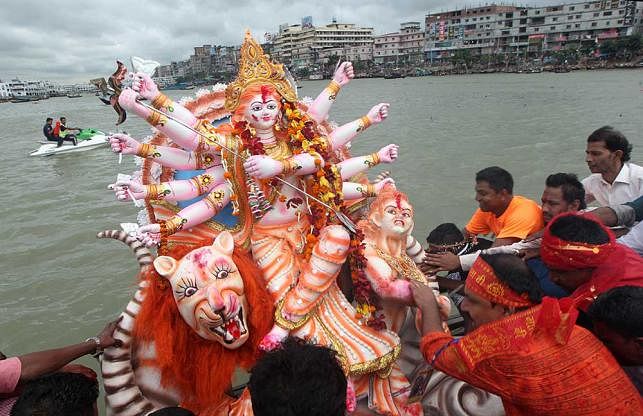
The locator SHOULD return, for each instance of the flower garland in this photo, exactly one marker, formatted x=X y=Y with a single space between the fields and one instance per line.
x=326 y=183
x=366 y=308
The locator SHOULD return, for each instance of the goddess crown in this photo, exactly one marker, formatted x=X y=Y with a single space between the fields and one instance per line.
x=255 y=67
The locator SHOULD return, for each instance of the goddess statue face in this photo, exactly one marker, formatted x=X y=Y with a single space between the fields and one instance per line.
x=263 y=111
x=394 y=218
x=209 y=292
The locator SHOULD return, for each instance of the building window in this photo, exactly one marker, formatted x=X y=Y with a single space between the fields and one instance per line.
x=607 y=23
x=536 y=29
x=570 y=17
x=586 y=6
x=577 y=25
x=555 y=19
x=552 y=28
x=607 y=13
x=593 y=24
x=578 y=16
x=571 y=7
x=568 y=26
x=596 y=14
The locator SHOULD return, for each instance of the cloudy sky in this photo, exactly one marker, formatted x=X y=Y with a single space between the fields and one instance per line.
x=73 y=41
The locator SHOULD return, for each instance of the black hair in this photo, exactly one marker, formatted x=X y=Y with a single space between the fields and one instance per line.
x=516 y=274
x=578 y=229
x=172 y=411
x=57 y=394
x=497 y=178
x=447 y=233
x=49 y=119
x=614 y=140
x=572 y=188
x=298 y=379
x=621 y=309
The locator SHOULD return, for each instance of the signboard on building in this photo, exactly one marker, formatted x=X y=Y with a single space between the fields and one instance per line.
x=441 y=30
x=307 y=22
x=283 y=27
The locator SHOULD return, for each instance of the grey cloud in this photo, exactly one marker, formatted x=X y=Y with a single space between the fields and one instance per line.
x=74 y=41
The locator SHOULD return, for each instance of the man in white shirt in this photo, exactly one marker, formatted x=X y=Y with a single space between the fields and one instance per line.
x=613 y=180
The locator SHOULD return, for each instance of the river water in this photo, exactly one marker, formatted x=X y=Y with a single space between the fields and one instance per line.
x=59 y=284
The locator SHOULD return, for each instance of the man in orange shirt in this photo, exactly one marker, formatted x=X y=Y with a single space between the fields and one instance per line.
x=532 y=356
x=510 y=218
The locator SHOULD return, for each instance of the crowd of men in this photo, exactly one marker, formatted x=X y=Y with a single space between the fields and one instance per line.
x=554 y=308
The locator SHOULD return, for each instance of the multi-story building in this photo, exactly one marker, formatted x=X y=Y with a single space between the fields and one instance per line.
x=529 y=31
x=301 y=46
x=201 y=60
x=473 y=29
x=405 y=46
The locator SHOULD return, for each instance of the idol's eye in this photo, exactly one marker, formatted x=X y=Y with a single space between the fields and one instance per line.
x=221 y=271
x=186 y=288
x=391 y=211
x=256 y=108
x=272 y=106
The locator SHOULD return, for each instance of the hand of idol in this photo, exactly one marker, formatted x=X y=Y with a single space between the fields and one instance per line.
x=122 y=143
x=344 y=73
x=150 y=235
x=383 y=183
x=378 y=113
x=262 y=167
x=144 y=86
x=128 y=189
x=389 y=153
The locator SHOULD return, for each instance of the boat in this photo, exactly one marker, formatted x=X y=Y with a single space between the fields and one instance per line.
x=74 y=95
x=87 y=139
x=23 y=99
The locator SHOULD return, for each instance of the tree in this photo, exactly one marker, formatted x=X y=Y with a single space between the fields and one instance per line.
x=634 y=43
x=608 y=48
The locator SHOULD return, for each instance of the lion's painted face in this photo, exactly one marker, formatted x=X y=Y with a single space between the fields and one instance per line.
x=209 y=292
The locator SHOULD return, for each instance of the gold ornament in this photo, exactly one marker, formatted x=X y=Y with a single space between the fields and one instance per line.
x=403 y=265
x=255 y=68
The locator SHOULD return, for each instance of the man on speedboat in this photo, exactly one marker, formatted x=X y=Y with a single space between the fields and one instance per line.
x=61 y=131
x=48 y=130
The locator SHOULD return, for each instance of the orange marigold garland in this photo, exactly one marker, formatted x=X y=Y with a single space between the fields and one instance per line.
x=367 y=309
x=326 y=183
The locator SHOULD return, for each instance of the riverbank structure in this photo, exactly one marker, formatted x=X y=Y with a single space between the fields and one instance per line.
x=528 y=31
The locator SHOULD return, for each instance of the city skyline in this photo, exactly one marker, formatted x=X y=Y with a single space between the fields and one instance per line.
x=64 y=43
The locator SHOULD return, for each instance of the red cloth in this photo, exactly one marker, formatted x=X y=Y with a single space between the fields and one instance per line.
x=560 y=254
x=57 y=129
x=483 y=281
x=623 y=267
x=534 y=371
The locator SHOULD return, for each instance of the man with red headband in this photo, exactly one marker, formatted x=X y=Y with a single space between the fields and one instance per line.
x=533 y=357
x=584 y=258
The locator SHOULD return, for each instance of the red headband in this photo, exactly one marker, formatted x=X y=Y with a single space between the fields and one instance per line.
x=482 y=280
x=559 y=254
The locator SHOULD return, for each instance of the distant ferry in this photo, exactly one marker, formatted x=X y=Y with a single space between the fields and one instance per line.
x=74 y=95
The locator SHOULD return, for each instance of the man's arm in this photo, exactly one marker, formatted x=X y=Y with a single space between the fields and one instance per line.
x=498 y=242
x=36 y=364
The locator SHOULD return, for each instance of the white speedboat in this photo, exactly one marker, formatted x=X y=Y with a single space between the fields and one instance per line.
x=51 y=148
